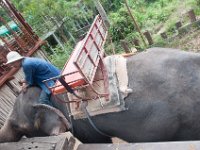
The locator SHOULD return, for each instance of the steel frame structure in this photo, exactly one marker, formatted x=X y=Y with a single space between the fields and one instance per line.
x=26 y=42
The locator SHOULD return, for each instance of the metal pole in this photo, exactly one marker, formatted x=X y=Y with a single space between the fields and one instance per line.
x=135 y=23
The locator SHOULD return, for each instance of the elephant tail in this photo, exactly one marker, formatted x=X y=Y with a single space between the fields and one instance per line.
x=52 y=109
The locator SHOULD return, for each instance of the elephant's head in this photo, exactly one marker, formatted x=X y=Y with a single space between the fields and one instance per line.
x=31 y=119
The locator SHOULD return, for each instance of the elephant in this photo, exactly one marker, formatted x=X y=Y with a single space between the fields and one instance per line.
x=163 y=106
x=31 y=119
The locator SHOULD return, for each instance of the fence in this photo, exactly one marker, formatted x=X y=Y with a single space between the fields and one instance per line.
x=179 y=30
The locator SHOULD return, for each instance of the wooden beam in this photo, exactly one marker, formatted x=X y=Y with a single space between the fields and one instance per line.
x=186 y=145
x=60 y=142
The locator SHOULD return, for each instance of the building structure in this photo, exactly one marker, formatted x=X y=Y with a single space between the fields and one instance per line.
x=22 y=39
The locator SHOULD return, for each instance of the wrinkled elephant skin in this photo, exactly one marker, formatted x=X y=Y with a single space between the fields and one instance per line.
x=164 y=104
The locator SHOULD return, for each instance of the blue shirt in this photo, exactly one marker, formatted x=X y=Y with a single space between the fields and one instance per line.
x=36 y=70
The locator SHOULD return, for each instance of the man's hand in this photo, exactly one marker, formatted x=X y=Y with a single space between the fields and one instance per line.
x=24 y=85
x=21 y=82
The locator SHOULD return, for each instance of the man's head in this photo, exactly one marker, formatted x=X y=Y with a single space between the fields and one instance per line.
x=14 y=58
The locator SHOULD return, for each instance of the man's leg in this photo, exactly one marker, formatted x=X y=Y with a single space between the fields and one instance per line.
x=45 y=98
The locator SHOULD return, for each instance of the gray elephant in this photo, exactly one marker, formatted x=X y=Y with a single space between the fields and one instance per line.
x=163 y=106
x=31 y=119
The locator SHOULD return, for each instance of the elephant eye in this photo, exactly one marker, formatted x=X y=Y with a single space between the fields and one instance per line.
x=15 y=126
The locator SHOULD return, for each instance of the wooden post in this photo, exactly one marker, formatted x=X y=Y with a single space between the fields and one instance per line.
x=135 y=23
x=149 y=38
x=70 y=34
x=50 y=47
x=136 y=43
x=58 y=41
x=178 y=25
x=102 y=13
x=112 y=45
x=164 y=35
x=124 y=44
x=192 y=16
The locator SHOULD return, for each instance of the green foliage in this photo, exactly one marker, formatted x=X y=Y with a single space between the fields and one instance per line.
x=5 y=16
x=112 y=5
x=121 y=25
x=150 y=1
x=148 y=14
x=36 y=12
x=60 y=56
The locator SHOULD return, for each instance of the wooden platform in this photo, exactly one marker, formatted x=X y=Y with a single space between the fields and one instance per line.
x=62 y=142
x=67 y=142
x=187 y=145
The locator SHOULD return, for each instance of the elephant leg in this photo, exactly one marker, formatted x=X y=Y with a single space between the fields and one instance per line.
x=44 y=98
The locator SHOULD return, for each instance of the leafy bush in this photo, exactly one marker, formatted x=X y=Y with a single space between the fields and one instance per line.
x=150 y=1
x=121 y=25
x=198 y=2
x=60 y=55
x=148 y=14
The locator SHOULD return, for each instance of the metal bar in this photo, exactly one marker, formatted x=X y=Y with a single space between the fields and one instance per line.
x=98 y=29
x=7 y=44
x=90 y=83
x=19 y=42
x=88 y=56
x=97 y=45
x=87 y=37
x=13 y=12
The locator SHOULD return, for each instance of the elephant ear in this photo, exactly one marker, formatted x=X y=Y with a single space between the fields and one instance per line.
x=50 y=120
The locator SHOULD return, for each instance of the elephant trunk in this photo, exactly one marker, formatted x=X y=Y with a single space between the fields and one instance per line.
x=8 y=133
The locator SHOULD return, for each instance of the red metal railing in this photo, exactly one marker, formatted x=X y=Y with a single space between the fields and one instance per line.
x=86 y=58
x=92 y=51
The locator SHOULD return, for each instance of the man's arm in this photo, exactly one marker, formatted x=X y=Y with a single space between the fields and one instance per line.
x=22 y=81
x=28 y=72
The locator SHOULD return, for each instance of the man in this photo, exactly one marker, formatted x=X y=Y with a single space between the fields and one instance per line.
x=35 y=70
